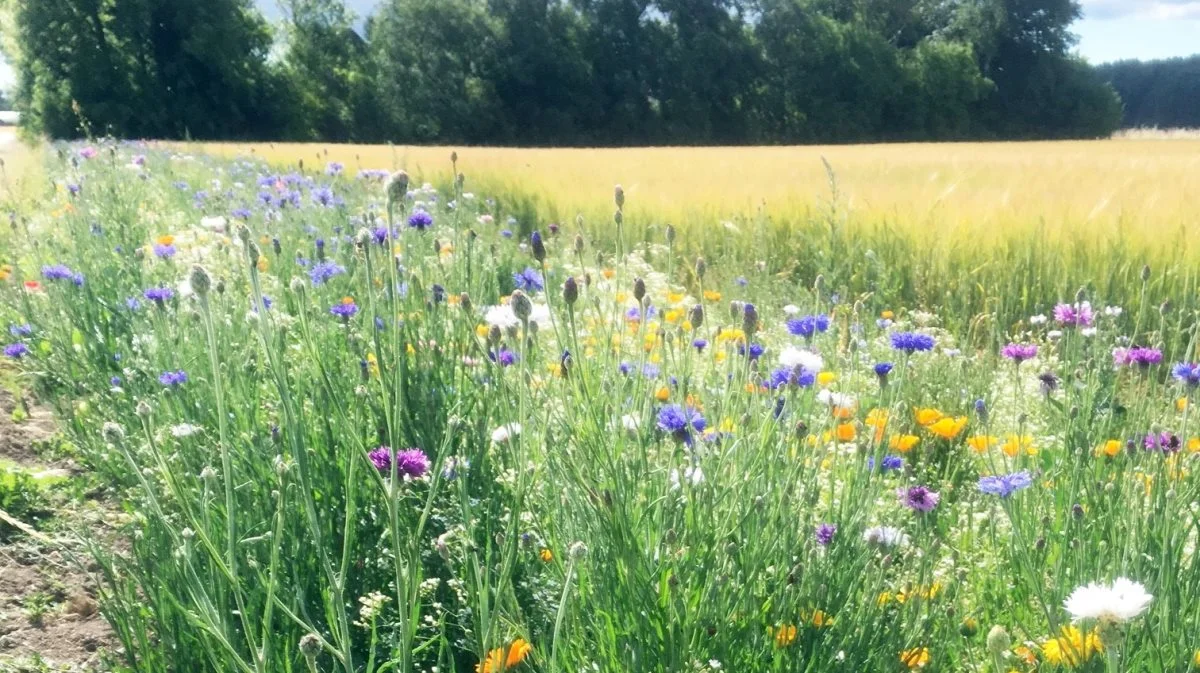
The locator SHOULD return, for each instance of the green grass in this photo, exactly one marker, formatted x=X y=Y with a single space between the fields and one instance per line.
x=263 y=536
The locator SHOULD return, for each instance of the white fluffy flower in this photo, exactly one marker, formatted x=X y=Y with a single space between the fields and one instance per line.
x=214 y=223
x=505 y=432
x=791 y=309
x=631 y=423
x=793 y=357
x=833 y=399
x=885 y=536
x=1038 y=319
x=692 y=475
x=501 y=316
x=185 y=430
x=1118 y=602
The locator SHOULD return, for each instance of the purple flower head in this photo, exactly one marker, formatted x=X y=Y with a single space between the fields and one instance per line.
x=911 y=342
x=139 y=160
x=882 y=369
x=77 y=279
x=753 y=351
x=321 y=272
x=20 y=330
x=1049 y=381
x=808 y=325
x=505 y=358
x=650 y=370
x=241 y=213
x=88 y=152
x=825 y=533
x=700 y=344
x=890 y=463
x=380 y=234
x=1187 y=373
x=173 y=379
x=1004 y=485
x=741 y=281
x=16 y=351
x=344 y=309
x=795 y=377
x=164 y=251
x=1074 y=315
x=1166 y=442
x=506 y=233
x=324 y=197
x=420 y=220
x=680 y=422
x=1019 y=352
x=919 y=498
x=529 y=280
x=334 y=168
x=625 y=368
x=115 y=381
x=133 y=304
x=56 y=272
x=159 y=295
x=410 y=463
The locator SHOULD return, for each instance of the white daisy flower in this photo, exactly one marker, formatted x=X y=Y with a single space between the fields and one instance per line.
x=1114 y=603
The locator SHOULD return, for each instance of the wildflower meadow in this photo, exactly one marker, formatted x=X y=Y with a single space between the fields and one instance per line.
x=357 y=422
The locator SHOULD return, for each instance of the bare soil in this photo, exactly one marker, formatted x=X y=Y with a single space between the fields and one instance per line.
x=49 y=615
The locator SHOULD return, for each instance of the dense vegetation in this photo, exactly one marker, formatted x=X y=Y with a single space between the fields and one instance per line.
x=1163 y=93
x=607 y=72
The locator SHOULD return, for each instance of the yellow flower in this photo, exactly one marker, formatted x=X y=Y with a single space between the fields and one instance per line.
x=263 y=264
x=546 y=555
x=821 y=619
x=825 y=378
x=887 y=315
x=712 y=295
x=372 y=364
x=877 y=418
x=917 y=657
x=903 y=443
x=731 y=334
x=1181 y=404
x=1194 y=444
x=981 y=443
x=846 y=432
x=928 y=416
x=1014 y=445
x=674 y=297
x=785 y=635
x=1072 y=647
x=165 y=240
x=505 y=659
x=948 y=428
x=1196 y=659
x=481 y=331
x=607 y=273
x=673 y=315
x=662 y=394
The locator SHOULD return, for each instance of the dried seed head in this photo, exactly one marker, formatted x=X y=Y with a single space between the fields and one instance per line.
x=578 y=243
x=310 y=646
x=464 y=300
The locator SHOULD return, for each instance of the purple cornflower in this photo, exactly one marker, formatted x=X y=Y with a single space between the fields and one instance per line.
x=753 y=351
x=625 y=368
x=1187 y=373
x=410 y=463
x=882 y=369
x=680 y=422
x=334 y=168
x=795 y=377
x=1049 y=381
x=890 y=463
x=700 y=344
x=529 y=280
x=133 y=304
x=1005 y=485
x=1019 y=352
x=420 y=220
x=173 y=379
x=1138 y=355
x=344 y=309
x=164 y=251
x=241 y=213
x=159 y=295
x=321 y=272
x=20 y=330
x=505 y=358
x=77 y=279
x=324 y=197
x=506 y=233
x=825 y=533
x=115 y=381
x=910 y=342
x=741 y=281
x=919 y=498
x=88 y=152
x=1077 y=315
x=808 y=325
x=1164 y=441
x=650 y=370
x=56 y=272
x=380 y=235
x=16 y=351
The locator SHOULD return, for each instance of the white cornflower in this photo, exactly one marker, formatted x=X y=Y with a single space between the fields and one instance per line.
x=505 y=432
x=791 y=309
x=185 y=430
x=214 y=223
x=885 y=536
x=793 y=357
x=833 y=399
x=501 y=316
x=1114 y=603
x=1038 y=319
x=1113 y=311
x=1088 y=331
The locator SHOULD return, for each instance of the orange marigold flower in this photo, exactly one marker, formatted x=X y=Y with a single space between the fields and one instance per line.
x=843 y=412
x=846 y=432
x=662 y=394
x=546 y=555
x=929 y=416
x=948 y=428
x=502 y=659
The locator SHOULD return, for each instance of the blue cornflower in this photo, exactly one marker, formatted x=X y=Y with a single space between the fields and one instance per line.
x=241 y=213
x=754 y=351
x=56 y=272
x=420 y=220
x=809 y=325
x=910 y=342
x=505 y=358
x=159 y=295
x=380 y=234
x=323 y=271
x=700 y=344
x=890 y=463
x=334 y=168
x=133 y=304
x=1187 y=373
x=344 y=309
x=115 y=381
x=650 y=370
x=380 y=324
x=164 y=251
x=16 y=351
x=882 y=369
x=825 y=533
x=324 y=196
x=77 y=279
x=20 y=330
x=680 y=422
x=506 y=233
x=529 y=280
x=173 y=379
x=795 y=377
x=741 y=281
x=1005 y=485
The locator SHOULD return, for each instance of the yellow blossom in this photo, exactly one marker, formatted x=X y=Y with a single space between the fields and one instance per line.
x=505 y=659
x=948 y=428
x=712 y=295
x=903 y=443
x=1014 y=445
x=784 y=635
x=546 y=555
x=825 y=378
x=1072 y=647
x=917 y=657
x=981 y=443
x=928 y=416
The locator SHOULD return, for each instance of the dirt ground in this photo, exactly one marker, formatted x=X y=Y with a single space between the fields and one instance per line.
x=49 y=617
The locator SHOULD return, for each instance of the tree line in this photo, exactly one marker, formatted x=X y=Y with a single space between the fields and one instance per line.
x=1163 y=93
x=557 y=72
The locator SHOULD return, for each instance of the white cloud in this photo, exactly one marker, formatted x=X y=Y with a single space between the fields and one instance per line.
x=1148 y=9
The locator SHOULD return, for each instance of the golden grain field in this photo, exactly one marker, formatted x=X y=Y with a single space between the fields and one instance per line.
x=1087 y=188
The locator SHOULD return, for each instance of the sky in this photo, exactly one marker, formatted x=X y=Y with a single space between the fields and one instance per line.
x=1110 y=30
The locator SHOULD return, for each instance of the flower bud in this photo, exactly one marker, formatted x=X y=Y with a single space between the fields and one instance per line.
x=396 y=187
x=618 y=217
x=570 y=291
x=1145 y=272
x=464 y=300
x=639 y=289
x=537 y=246
x=619 y=196
x=112 y=433
x=310 y=646
x=522 y=307
x=200 y=280
x=142 y=409
x=577 y=550
x=578 y=243
x=363 y=238
x=696 y=316
x=670 y=234
x=297 y=285
x=998 y=641
x=701 y=267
